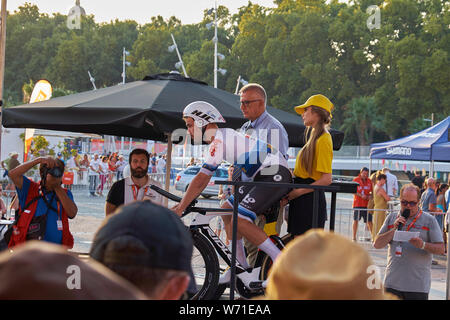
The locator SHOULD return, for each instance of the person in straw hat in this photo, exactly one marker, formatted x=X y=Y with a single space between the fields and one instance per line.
x=321 y=265
x=312 y=166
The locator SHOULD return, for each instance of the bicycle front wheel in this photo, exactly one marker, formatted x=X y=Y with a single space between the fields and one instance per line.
x=205 y=266
x=267 y=261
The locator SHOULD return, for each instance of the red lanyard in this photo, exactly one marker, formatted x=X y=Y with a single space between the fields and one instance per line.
x=135 y=192
x=58 y=212
x=414 y=221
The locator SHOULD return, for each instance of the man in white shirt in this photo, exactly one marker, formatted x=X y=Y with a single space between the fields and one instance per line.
x=120 y=164
x=160 y=165
x=391 y=185
x=136 y=187
x=94 y=174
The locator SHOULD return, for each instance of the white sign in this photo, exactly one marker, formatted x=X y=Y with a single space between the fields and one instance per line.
x=405 y=236
x=404 y=151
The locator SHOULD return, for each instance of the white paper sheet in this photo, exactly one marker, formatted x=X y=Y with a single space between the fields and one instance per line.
x=405 y=236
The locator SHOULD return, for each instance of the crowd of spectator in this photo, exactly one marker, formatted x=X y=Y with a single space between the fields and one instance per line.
x=101 y=171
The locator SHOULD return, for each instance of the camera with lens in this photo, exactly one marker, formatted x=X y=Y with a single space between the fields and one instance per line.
x=56 y=172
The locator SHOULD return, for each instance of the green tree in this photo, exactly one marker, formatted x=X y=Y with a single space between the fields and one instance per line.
x=361 y=119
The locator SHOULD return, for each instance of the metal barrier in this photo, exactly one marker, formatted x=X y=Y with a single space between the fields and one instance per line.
x=334 y=188
x=9 y=195
x=344 y=222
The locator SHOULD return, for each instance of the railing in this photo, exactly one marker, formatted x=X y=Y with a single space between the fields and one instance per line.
x=343 y=187
x=7 y=196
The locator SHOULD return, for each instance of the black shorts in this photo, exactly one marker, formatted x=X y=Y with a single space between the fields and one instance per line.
x=358 y=214
x=255 y=200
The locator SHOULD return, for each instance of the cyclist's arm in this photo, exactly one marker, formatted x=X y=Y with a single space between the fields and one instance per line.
x=196 y=186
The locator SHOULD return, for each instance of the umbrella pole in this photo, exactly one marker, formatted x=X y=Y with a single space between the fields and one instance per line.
x=168 y=165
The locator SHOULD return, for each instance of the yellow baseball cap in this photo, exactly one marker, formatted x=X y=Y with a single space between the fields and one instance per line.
x=318 y=100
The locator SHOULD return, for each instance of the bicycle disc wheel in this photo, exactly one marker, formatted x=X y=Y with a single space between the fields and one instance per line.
x=205 y=266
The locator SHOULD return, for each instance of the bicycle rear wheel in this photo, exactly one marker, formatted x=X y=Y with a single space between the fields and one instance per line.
x=205 y=266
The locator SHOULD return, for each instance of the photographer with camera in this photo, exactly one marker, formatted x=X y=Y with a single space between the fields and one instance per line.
x=44 y=207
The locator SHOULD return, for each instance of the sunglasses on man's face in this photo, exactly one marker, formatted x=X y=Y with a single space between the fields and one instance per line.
x=409 y=203
x=246 y=103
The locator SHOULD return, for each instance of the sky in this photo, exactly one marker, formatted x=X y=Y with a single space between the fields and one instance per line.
x=139 y=10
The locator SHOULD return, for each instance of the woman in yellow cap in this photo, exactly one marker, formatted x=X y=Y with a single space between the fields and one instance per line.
x=313 y=165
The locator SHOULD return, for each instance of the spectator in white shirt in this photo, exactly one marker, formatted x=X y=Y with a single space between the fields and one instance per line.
x=391 y=185
x=94 y=174
x=160 y=165
x=120 y=164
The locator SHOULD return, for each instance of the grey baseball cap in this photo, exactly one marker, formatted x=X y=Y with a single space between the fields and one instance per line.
x=164 y=241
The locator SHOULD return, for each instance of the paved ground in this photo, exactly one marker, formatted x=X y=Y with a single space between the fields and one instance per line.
x=91 y=215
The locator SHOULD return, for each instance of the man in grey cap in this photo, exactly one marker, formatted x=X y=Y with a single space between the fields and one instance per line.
x=149 y=246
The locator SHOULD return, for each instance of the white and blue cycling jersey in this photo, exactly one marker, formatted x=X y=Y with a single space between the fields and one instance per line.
x=244 y=151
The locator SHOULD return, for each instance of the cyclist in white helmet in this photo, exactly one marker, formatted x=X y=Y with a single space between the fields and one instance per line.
x=255 y=159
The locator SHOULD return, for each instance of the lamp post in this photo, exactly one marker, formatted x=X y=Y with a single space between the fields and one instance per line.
x=91 y=78
x=240 y=81
x=124 y=63
x=216 y=40
x=180 y=61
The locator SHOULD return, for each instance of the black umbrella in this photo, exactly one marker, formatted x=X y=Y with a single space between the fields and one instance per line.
x=148 y=109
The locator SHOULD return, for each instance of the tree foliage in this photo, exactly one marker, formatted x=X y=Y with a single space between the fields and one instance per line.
x=383 y=81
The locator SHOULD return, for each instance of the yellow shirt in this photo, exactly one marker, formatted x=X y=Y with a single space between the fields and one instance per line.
x=322 y=163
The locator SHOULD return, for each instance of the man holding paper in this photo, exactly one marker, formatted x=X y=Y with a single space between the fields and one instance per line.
x=412 y=238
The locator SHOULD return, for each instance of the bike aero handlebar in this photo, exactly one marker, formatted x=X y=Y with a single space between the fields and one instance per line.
x=191 y=207
x=167 y=194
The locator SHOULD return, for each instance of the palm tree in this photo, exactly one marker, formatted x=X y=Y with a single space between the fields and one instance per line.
x=361 y=117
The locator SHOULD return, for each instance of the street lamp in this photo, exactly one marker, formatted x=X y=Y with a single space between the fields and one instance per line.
x=430 y=120
x=91 y=78
x=180 y=62
x=240 y=81
x=124 y=64
x=222 y=71
x=215 y=40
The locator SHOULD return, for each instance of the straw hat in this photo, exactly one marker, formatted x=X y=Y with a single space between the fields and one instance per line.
x=321 y=265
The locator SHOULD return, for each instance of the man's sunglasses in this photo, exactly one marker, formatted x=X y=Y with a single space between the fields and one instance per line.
x=246 y=103
x=409 y=203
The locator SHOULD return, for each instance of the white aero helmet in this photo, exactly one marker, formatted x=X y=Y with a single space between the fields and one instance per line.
x=203 y=113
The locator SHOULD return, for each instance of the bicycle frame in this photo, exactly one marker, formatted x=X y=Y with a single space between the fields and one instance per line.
x=200 y=223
